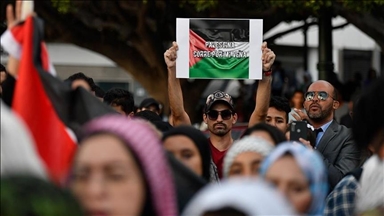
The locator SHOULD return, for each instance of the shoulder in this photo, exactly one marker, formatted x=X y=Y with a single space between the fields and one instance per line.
x=341 y=130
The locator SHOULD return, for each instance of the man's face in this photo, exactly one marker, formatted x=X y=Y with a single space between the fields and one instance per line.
x=220 y=126
x=277 y=119
x=319 y=110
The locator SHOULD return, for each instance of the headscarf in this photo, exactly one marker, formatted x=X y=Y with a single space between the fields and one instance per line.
x=246 y=144
x=250 y=196
x=144 y=142
x=18 y=153
x=200 y=141
x=311 y=165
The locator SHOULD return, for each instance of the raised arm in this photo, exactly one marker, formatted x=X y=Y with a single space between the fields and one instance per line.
x=263 y=92
x=175 y=95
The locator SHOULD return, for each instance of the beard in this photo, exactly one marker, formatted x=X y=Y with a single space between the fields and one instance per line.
x=321 y=114
x=222 y=131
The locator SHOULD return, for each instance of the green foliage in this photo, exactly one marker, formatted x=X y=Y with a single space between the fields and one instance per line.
x=63 y=6
x=313 y=6
x=200 y=5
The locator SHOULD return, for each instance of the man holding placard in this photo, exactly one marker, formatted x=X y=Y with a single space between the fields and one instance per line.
x=219 y=113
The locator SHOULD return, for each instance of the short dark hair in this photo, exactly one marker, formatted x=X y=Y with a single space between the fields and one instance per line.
x=148 y=115
x=120 y=97
x=81 y=76
x=276 y=134
x=281 y=104
x=99 y=92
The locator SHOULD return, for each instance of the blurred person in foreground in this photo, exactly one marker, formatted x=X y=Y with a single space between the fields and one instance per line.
x=361 y=191
x=245 y=156
x=27 y=195
x=120 y=168
x=239 y=197
x=299 y=173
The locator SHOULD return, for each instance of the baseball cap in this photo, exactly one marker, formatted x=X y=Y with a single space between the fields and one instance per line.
x=149 y=102
x=218 y=96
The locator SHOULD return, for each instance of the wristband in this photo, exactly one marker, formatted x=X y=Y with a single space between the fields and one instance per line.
x=267 y=73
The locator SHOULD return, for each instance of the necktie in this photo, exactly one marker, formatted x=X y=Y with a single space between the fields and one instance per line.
x=317 y=131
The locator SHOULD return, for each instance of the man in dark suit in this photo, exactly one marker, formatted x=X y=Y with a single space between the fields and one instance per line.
x=333 y=141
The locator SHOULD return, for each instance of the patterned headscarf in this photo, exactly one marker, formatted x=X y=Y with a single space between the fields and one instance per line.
x=311 y=165
x=145 y=144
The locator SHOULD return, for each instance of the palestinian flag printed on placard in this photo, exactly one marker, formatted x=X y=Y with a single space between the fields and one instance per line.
x=219 y=49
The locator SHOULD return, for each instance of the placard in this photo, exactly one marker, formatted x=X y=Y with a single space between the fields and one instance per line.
x=219 y=48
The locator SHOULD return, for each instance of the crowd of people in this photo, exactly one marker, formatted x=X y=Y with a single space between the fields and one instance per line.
x=129 y=161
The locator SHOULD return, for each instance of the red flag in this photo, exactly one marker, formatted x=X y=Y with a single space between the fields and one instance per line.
x=32 y=103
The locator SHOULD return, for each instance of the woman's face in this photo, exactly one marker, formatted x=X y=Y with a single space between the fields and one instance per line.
x=298 y=100
x=185 y=151
x=287 y=176
x=263 y=134
x=107 y=180
x=246 y=164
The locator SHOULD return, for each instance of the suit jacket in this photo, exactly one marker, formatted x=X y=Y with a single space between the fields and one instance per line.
x=340 y=153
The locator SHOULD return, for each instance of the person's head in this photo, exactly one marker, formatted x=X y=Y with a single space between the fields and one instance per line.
x=219 y=113
x=238 y=197
x=191 y=147
x=81 y=80
x=321 y=102
x=278 y=111
x=267 y=132
x=368 y=118
x=27 y=195
x=148 y=115
x=120 y=169
x=310 y=136
x=297 y=99
x=3 y=73
x=300 y=174
x=99 y=92
x=371 y=74
x=150 y=104
x=245 y=157
x=120 y=100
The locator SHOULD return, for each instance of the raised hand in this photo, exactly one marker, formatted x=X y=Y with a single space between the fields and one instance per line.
x=267 y=57
x=170 y=55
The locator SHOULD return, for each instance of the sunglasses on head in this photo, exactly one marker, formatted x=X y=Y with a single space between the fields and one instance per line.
x=321 y=95
x=214 y=114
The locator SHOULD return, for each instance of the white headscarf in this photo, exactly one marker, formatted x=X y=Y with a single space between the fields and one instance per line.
x=248 y=195
x=246 y=144
x=18 y=153
x=370 y=193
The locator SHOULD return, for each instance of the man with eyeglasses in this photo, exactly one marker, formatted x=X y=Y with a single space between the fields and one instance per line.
x=219 y=113
x=333 y=141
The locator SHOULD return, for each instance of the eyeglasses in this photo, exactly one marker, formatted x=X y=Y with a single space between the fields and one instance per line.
x=321 y=95
x=214 y=114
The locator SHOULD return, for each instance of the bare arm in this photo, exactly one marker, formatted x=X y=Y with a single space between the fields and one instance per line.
x=175 y=95
x=263 y=96
x=263 y=93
